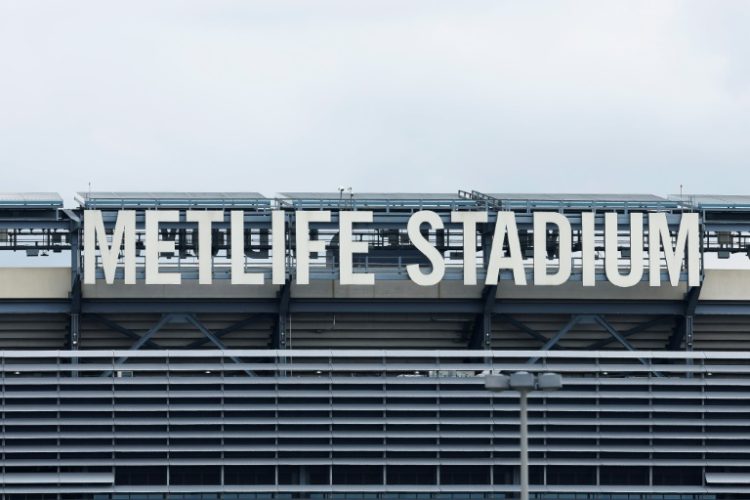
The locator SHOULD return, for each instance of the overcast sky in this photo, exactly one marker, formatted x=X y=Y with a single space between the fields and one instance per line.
x=381 y=96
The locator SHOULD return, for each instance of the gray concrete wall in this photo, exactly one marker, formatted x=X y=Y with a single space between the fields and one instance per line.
x=34 y=282
x=54 y=283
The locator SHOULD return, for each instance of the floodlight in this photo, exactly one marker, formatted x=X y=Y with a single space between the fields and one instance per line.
x=522 y=381
x=549 y=381
x=496 y=383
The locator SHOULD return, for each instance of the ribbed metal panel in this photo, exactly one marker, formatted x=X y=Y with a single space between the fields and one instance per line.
x=366 y=331
x=99 y=334
x=25 y=331
x=279 y=419
x=506 y=335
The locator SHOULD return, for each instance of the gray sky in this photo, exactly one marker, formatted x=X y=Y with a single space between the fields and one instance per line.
x=381 y=96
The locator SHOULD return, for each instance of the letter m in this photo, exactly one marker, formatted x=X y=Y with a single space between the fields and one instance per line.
x=688 y=238
x=123 y=238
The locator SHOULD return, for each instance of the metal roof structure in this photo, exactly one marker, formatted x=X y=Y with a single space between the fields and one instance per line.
x=707 y=201
x=172 y=199
x=330 y=391
x=370 y=196
x=373 y=201
x=593 y=197
x=30 y=200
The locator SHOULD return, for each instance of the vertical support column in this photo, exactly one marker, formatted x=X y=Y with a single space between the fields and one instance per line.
x=487 y=319
x=74 y=331
x=75 y=311
x=691 y=302
x=688 y=321
x=280 y=339
x=75 y=287
x=281 y=326
x=481 y=337
x=487 y=232
x=683 y=330
x=524 y=411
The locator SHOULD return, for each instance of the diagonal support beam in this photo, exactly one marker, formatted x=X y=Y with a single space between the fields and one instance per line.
x=632 y=331
x=218 y=343
x=153 y=331
x=615 y=334
x=224 y=331
x=554 y=340
x=481 y=336
x=525 y=328
x=121 y=329
x=622 y=340
x=142 y=341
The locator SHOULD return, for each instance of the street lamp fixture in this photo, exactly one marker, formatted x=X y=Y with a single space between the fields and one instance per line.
x=524 y=383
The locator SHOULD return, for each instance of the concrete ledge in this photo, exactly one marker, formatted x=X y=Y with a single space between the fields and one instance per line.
x=186 y=290
x=726 y=284
x=54 y=283
x=390 y=289
x=604 y=290
x=34 y=282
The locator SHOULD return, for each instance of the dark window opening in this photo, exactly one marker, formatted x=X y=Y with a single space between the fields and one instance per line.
x=571 y=474
x=631 y=475
x=141 y=475
x=411 y=474
x=505 y=474
x=357 y=474
x=536 y=474
x=303 y=474
x=249 y=474
x=464 y=474
x=194 y=474
x=672 y=476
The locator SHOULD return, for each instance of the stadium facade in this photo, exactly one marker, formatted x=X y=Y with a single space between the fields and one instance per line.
x=118 y=388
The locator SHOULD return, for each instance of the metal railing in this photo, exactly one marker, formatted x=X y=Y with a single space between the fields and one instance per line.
x=382 y=409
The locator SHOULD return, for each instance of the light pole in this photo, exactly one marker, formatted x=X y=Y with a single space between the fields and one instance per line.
x=524 y=383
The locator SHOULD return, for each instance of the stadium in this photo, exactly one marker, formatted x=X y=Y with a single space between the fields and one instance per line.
x=120 y=387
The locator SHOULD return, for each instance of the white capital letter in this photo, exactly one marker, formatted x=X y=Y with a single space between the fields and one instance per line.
x=424 y=246
x=278 y=247
x=93 y=233
x=506 y=224
x=347 y=247
x=611 y=253
x=470 y=221
x=154 y=247
x=565 y=251
x=305 y=245
x=239 y=276
x=688 y=236
x=204 y=218
x=588 y=241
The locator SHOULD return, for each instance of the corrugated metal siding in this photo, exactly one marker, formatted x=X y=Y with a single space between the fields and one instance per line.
x=64 y=412
x=364 y=331
x=96 y=334
x=506 y=335
x=721 y=333
x=25 y=331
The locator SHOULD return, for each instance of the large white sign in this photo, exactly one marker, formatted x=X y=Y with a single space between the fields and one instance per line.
x=673 y=249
